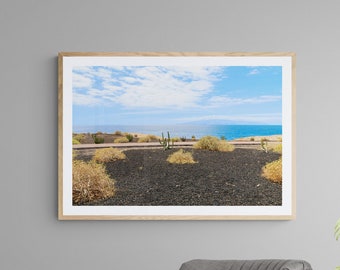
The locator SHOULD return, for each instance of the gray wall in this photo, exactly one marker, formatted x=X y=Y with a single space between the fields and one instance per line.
x=33 y=32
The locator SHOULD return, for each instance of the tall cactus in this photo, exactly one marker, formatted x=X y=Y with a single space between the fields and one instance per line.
x=165 y=142
x=264 y=144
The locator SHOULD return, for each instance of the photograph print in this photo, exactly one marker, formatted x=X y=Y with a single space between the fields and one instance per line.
x=176 y=136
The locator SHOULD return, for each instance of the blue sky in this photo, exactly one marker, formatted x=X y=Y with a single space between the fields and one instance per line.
x=153 y=95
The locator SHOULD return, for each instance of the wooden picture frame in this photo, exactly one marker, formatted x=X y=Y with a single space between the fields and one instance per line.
x=115 y=100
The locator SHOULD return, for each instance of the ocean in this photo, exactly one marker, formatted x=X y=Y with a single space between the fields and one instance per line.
x=229 y=132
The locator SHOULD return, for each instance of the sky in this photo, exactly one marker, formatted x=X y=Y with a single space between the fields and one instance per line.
x=168 y=95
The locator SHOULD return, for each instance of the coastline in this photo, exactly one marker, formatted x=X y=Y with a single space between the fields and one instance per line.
x=229 y=132
x=88 y=138
x=246 y=142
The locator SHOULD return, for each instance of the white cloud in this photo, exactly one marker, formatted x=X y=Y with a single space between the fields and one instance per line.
x=155 y=87
x=130 y=79
x=81 y=81
x=81 y=99
x=148 y=86
x=103 y=74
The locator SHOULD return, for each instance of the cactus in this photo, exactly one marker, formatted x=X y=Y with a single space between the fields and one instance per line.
x=165 y=142
x=264 y=144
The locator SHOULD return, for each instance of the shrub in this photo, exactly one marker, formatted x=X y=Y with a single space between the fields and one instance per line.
x=208 y=143
x=78 y=138
x=74 y=154
x=96 y=139
x=213 y=144
x=183 y=139
x=273 y=171
x=181 y=157
x=129 y=137
x=277 y=148
x=144 y=139
x=75 y=141
x=153 y=137
x=148 y=138
x=224 y=146
x=121 y=140
x=175 y=139
x=90 y=182
x=193 y=137
x=118 y=133
x=108 y=154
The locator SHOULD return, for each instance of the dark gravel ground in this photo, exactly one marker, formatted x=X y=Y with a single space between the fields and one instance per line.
x=218 y=178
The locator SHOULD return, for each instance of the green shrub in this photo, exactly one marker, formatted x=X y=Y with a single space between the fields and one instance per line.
x=96 y=139
x=121 y=140
x=75 y=141
x=183 y=139
x=193 y=137
x=213 y=144
x=78 y=137
x=108 y=154
x=273 y=171
x=90 y=182
x=129 y=137
x=181 y=157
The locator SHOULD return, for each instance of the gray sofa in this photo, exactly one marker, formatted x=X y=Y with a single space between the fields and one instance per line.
x=246 y=265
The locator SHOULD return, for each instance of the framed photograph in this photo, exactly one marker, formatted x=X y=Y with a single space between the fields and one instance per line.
x=176 y=136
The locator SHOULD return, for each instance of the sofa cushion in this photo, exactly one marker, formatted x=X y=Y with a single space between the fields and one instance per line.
x=246 y=265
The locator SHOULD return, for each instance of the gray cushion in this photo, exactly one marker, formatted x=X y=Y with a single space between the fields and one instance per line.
x=246 y=265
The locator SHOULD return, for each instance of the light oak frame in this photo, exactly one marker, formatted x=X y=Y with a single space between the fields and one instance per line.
x=63 y=216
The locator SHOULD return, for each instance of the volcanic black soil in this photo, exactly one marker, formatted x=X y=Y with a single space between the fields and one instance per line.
x=145 y=178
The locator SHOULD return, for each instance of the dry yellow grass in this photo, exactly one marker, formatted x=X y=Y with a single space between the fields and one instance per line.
x=77 y=138
x=144 y=139
x=108 y=154
x=273 y=171
x=181 y=157
x=224 y=146
x=121 y=140
x=277 y=148
x=90 y=182
x=213 y=144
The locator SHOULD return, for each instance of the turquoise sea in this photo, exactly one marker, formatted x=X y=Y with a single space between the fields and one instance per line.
x=230 y=132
